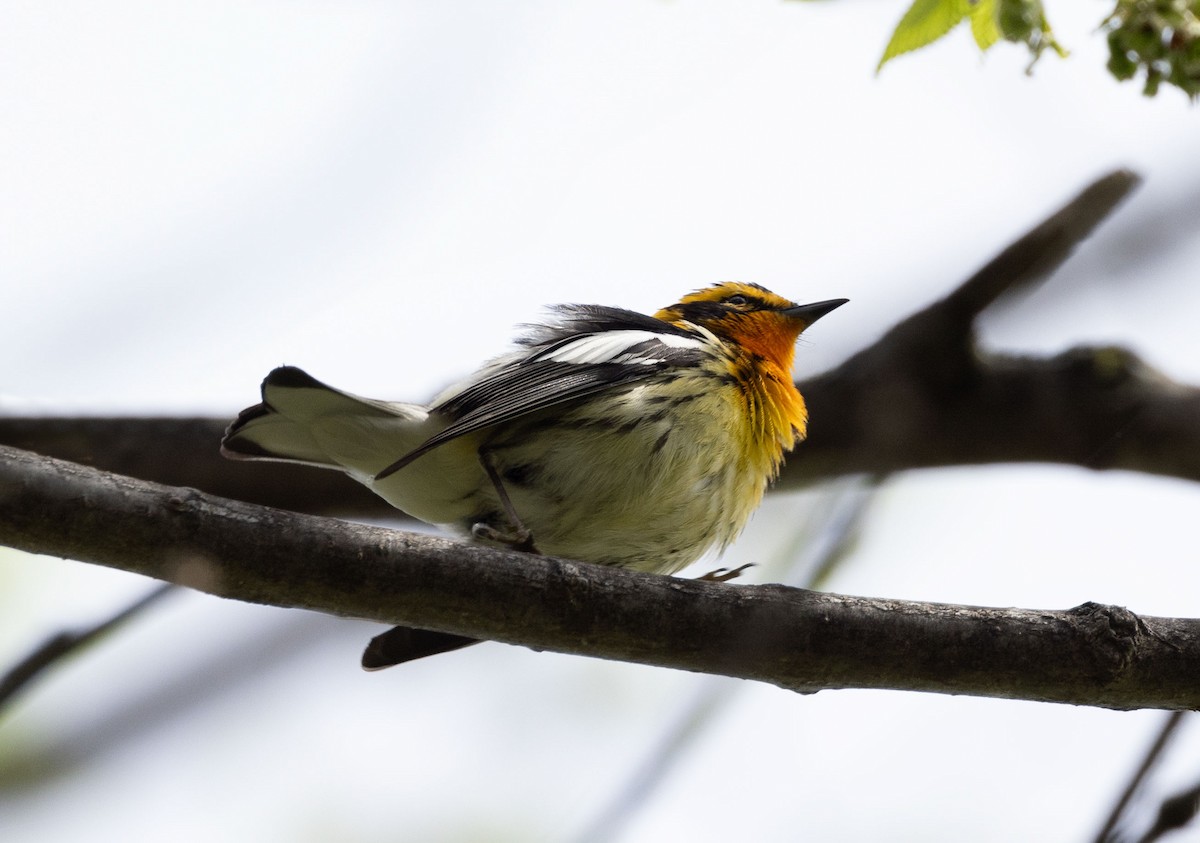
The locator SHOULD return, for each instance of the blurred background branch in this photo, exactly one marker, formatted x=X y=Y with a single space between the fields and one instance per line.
x=821 y=541
x=922 y=396
x=69 y=643
x=1113 y=829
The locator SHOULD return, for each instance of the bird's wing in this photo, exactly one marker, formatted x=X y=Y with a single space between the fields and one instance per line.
x=562 y=365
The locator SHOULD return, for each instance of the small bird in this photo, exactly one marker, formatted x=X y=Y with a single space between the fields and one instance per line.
x=608 y=436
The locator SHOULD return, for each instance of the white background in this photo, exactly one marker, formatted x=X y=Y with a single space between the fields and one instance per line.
x=193 y=193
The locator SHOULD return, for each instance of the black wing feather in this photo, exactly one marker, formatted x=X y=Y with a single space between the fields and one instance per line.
x=576 y=320
x=530 y=385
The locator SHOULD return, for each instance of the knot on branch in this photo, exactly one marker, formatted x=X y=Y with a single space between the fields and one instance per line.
x=1103 y=366
x=1123 y=407
x=183 y=498
x=1110 y=636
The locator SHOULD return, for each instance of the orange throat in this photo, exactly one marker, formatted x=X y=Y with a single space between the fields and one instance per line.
x=778 y=418
x=780 y=415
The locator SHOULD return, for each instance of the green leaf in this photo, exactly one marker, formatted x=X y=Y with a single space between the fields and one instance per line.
x=983 y=24
x=925 y=22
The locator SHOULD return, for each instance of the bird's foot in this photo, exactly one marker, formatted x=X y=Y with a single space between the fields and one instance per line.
x=520 y=539
x=725 y=574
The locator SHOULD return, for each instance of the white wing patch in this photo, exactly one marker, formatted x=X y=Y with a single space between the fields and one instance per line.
x=618 y=347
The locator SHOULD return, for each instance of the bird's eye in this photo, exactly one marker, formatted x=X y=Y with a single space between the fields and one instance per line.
x=737 y=301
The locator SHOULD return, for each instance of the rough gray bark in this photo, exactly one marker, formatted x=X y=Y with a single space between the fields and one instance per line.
x=797 y=639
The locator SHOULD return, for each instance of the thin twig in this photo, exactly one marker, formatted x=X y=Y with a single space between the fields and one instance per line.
x=823 y=553
x=70 y=642
x=1108 y=831
x=1174 y=813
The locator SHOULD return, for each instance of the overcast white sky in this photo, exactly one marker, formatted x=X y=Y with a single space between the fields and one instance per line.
x=196 y=192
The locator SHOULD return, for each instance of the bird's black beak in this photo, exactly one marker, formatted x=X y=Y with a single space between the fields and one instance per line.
x=812 y=312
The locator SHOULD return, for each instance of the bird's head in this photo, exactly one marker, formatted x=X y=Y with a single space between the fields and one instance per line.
x=751 y=316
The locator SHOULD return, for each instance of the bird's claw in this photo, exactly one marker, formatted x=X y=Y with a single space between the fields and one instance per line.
x=725 y=574
x=520 y=539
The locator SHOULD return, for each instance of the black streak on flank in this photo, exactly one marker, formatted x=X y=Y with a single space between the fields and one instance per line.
x=662 y=440
x=520 y=475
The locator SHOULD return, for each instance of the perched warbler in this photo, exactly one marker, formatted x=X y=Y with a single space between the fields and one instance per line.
x=608 y=436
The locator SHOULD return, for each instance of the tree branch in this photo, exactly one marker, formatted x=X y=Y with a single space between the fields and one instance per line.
x=185 y=452
x=1097 y=408
x=923 y=396
x=802 y=640
x=926 y=395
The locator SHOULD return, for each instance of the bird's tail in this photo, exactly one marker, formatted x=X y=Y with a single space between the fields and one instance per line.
x=304 y=421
